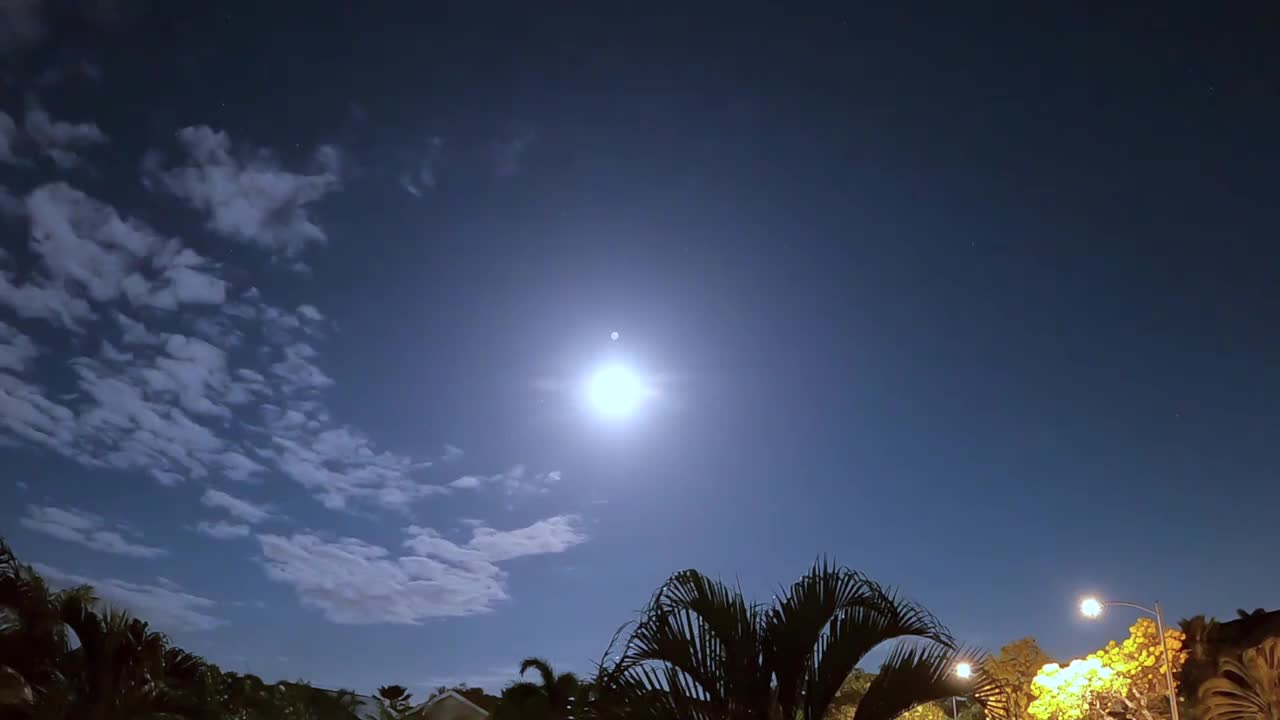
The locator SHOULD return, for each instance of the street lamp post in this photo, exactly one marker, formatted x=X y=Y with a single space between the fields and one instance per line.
x=1092 y=608
x=963 y=671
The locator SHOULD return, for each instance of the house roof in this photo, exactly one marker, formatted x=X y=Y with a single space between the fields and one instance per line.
x=366 y=707
x=450 y=694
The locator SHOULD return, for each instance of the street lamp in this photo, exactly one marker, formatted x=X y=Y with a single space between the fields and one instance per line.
x=1092 y=607
x=963 y=671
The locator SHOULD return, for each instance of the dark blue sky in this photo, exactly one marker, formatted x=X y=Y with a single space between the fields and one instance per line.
x=983 y=303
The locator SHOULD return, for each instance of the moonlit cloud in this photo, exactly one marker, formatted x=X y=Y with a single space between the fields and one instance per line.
x=174 y=367
x=166 y=606
x=516 y=480
x=222 y=530
x=248 y=197
x=354 y=582
x=552 y=535
x=60 y=140
x=84 y=529
x=240 y=509
x=186 y=364
x=16 y=350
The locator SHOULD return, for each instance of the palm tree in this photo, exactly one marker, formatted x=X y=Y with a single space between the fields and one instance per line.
x=551 y=698
x=33 y=633
x=394 y=701
x=700 y=651
x=1247 y=688
x=61 y=658
x=120 y=669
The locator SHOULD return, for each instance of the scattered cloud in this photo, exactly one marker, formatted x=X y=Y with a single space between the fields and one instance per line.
x=164 y=605
x=339 y=464
x=552 y=535
x=452 y=453
x=192 y=377
x=516 y=480
x=89 y=255
x=239 y=509
x=248 y=196
x=60 y=140
x=16 y=350
x=354 y=582
x=222 y=530
x=84 y=529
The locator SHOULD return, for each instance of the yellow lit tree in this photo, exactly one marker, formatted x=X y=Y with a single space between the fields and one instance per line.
x=1011 y=673
x=1125 y=680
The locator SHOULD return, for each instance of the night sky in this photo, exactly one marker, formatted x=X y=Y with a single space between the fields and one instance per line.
x=298 y=301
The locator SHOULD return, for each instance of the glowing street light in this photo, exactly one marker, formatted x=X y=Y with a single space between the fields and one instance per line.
x=964 y=671
x=1091 y=607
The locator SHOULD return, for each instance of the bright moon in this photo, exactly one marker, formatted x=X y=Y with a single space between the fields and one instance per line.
x=614 y=335
x=615 y=391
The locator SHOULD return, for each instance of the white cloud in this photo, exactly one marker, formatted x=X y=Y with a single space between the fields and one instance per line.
x=296 y=370
x=354 y=582
x=61 y=140
x=452 y=453
x=238 y=508
x=28 y=415
x=163 y=605
x=133 y=332
x=223 y=530
x=249 y=199
x=184 y=364
x=552 y=535
x=16 y=349
x=516 y=480
x=84 y=529
x=84 y=246
x=340 y=464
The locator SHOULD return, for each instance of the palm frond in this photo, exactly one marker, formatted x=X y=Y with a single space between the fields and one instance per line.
x=1247 y=688
x=544 y=670
x=915 y=674
x=708 y=640
x=875 y=616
